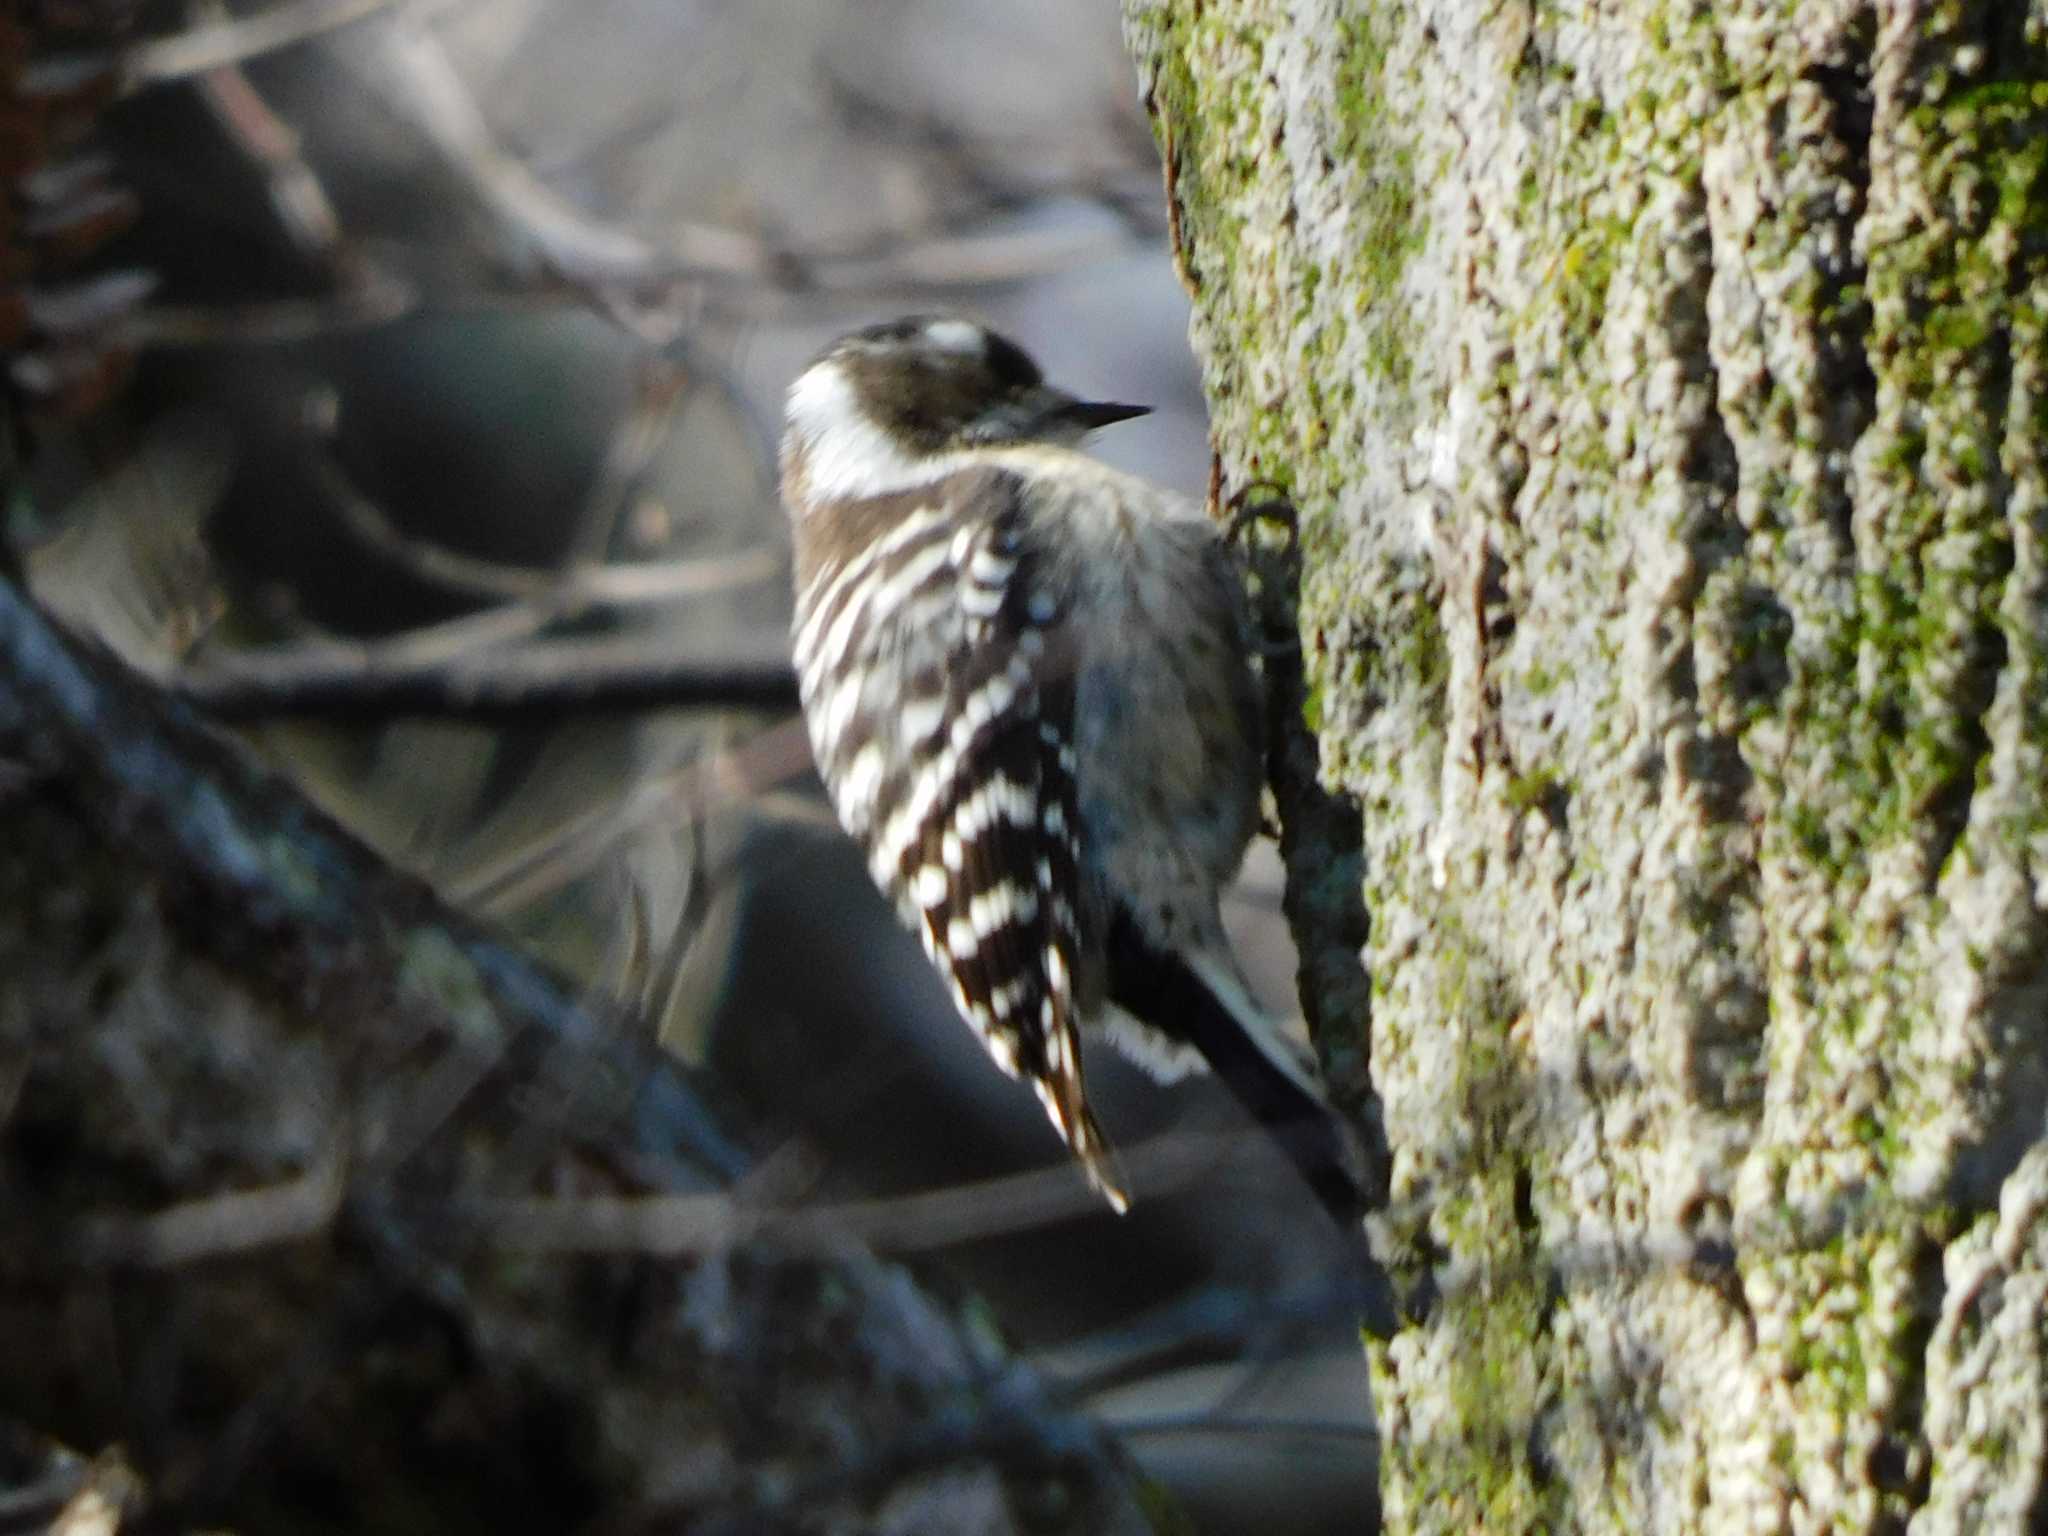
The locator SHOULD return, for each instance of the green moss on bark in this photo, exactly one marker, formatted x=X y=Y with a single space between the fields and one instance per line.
x=1662 y=388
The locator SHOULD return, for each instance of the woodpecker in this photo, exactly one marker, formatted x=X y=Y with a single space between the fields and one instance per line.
x=1028 y=686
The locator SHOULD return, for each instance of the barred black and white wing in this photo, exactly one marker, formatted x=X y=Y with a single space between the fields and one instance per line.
x=938 y=687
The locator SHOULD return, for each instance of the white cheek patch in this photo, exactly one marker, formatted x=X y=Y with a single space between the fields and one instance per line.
x=957 y=336
x=845 y=455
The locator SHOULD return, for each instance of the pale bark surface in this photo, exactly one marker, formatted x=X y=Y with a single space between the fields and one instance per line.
x=1661 y=391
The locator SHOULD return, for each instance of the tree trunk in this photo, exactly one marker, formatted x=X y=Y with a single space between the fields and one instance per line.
x=1660 y=392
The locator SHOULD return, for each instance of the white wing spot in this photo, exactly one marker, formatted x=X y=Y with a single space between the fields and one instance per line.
x=982 y=706
x=839 y=710
x=930 y=886
x=1056 y=970
x=829 y=586
x=883 y=597
x=1006 y=903
x=1004 y=1000
x=921 y=719
x=857 y=787
x=1017 y=804
x=890 y=594
x=990 y=569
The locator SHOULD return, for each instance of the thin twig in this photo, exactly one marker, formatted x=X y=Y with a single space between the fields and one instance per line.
x=1237 y=1424
x=671 y=1226
x=418 y=81
x=739 y=776
x=239 y=1222
x=197 y=50
x=377 y=300
x=559 y=592
x=271 y=145
x=532 y=680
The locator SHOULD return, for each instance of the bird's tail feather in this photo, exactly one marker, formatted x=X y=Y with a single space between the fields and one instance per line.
x=1066 y=1103
x=1156 y=984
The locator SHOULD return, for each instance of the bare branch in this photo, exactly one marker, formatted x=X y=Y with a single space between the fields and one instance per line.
x=261 y=938
x=188 y=800
x=296 y=193
x=739 y=776
x=197 y=50
x=533 y=680
x=377 y=300
x=557 y=593
x=418 y=81
x=219 y=1224
x=671 y=1226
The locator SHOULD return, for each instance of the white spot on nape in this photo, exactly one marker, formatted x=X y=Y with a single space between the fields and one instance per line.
x=962 y=336
x=1042 y=607
x=846 y=455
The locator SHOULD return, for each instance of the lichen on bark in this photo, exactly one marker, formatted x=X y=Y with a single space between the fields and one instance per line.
x=1660 y=389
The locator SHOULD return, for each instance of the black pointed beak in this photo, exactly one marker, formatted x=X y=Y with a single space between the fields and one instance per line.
x=1090 y=414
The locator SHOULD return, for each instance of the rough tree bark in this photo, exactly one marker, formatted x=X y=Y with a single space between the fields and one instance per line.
x=1663 y=393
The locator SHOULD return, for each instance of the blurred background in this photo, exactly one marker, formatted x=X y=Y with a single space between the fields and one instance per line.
x=453 y=332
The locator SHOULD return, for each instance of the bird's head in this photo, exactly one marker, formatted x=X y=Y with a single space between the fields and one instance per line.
x=884 y=408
